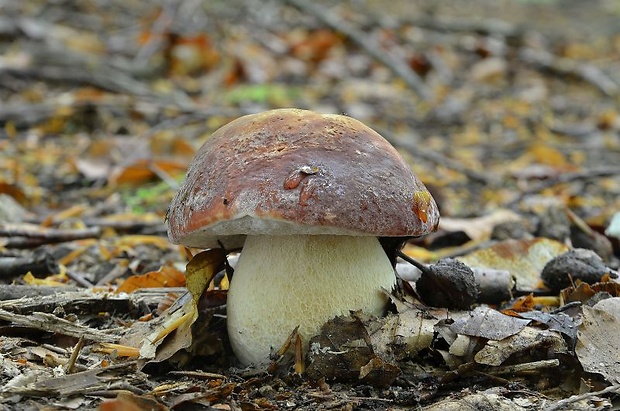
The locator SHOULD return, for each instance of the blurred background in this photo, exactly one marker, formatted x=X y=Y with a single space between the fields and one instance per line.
x=508 y=110
x=103 y=103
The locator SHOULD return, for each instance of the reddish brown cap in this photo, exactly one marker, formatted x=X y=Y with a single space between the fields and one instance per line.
x=291 y=171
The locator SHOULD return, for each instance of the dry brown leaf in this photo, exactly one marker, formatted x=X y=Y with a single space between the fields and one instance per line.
x=14 y=191
x=316 y=45
x=142 y=171
x=191 y=54
x=166 y=276
x=583 y=292
x=128 y=401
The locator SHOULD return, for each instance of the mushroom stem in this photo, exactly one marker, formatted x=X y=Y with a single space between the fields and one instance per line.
x=282 y=282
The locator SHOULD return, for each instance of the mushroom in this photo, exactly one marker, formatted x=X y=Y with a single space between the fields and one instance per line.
x=307 y=196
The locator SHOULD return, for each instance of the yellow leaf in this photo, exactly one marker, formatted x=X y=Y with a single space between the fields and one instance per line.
x=137 y=239
x=544 y=154
x=55 y=280
x=201 y=270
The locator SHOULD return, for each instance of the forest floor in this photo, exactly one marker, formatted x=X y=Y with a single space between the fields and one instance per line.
x=508 y=111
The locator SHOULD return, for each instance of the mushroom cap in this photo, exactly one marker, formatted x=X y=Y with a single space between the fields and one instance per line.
x=291 y=171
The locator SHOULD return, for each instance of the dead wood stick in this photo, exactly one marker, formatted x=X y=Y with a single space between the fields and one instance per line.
x=485 y=27
x=23 y=235
x=37 y=264
x=494 y=286
x=600 y=172
x=366 y=42
x=527 y=367
x=35 y=231
x=70 y=366
x=127 y=225
x=25 y=115
x=26 y=299
x=566 y=67
x=199 y=374
x=117 y=82
x=562 y=404
x=103 y=379
x=51 y=323
x=14 y=292
x=78 y=278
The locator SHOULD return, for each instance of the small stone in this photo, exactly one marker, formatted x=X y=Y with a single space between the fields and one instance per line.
x=576 y=264
x=449 y=283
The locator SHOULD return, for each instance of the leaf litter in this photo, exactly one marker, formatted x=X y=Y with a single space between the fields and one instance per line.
x=508 y=115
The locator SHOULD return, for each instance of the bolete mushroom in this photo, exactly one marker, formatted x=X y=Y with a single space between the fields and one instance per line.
x=307 y=195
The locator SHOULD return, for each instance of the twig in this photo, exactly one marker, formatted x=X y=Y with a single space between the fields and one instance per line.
x=600 y=172
x=163 y=175
x=566 y=67
x=485 y=27
x=199 y=374
x=413 y=262
x=575 y=398
x=524 y=367
x=14 y=292
x=117 y=82
x=367 y=43
x=24 y=235
x=26 y=299
x=35 y=231
x=78 y=278
x=70 y=367
x=37 y=264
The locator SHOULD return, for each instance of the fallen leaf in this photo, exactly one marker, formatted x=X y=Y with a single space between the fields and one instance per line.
x=128 y=401
x=134 y=240
x=54 y=280
x=201 y=270
x=561 y=322
x=184 y=312
x=597 y=341
x=527 y=340
x=316 y=45
x=524 y=259
x=583 y=292
x=166 y=276
x=488 y=323
x=404 y=334
x=343 y=351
